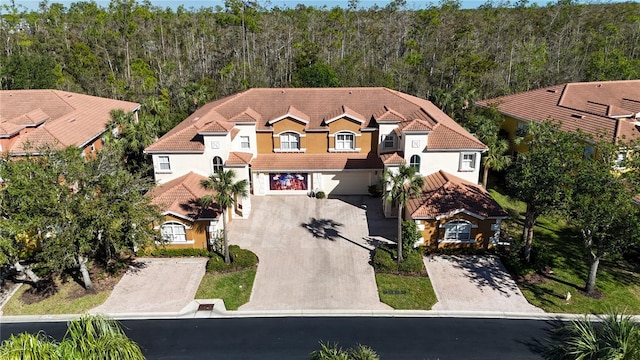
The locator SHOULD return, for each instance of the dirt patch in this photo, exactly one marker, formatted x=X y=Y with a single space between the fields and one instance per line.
x=102 y=281
x=533 y=279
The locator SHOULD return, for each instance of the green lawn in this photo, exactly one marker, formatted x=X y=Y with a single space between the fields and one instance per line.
x=55 y=304
x=617 y=281
x=406 y=292
x=233 y=287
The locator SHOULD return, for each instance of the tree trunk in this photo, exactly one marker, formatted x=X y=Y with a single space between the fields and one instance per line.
x=527 y=232
x=594 y=261
x=227 y=259
x=485 y=176
x=27 y=271
x=400 y=257
x=86 y=279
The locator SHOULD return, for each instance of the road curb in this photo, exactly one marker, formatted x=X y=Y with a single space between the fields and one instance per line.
x=218 y=311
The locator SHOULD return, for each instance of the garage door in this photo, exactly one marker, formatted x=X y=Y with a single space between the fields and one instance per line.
x=347 y=183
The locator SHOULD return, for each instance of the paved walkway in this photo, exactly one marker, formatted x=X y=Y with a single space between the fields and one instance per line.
x=158 y=285
x=314 y=254
x=475 y=283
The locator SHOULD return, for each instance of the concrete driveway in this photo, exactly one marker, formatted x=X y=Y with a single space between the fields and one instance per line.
x=314 y=254
x=156 y=285
x=475 y=283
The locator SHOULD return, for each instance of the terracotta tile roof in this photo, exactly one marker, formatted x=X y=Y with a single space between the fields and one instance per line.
x=388 y=115
x=249 y=115
x=180 y=197
x=239 y=158
x=592 y=107
x=394 y=158
x=234 y=133
x=315 y=106
x=7 y=128
x=444 y=138
x=303 y=162
x=444 y=194
x=416 y=126
x=69 y=118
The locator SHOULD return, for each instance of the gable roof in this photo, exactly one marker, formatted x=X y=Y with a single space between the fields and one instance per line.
x=444 y=194
x=180 y=196
x=602 y=107
x=59 y=118
x=315 y=107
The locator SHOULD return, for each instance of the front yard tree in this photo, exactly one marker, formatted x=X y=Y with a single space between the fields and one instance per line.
x=226 y=193
x=602 y=209
x=72 y=210
x=542 y=176
x=399 y=186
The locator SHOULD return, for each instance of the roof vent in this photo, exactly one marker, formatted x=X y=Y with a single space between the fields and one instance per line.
x=577 y=116
x=71 y=120
x=552 y=90
x=195 y=119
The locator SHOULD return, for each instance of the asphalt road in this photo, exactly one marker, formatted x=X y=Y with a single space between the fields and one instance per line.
x=295 y=338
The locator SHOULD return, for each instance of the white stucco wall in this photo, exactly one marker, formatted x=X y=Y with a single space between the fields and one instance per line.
x=245 y=130
x=433 y=161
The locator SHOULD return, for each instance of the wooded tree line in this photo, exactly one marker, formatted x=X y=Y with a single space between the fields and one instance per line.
x=175 y=60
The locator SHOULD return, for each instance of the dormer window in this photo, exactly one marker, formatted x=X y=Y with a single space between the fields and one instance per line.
x=389 y=141
x=289 y=141
x=345 y=141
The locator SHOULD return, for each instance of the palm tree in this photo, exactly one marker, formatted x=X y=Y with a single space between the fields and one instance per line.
x=226 y=192
x=399 y=187
x=496 y=159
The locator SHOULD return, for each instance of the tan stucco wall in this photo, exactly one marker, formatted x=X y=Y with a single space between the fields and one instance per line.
x=197 y=233
x=432 y=232
x=315 y=143
x=344 y=124
x=285 y=125
x=265 y=142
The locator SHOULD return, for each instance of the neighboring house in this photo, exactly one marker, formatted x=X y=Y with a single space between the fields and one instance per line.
x=32 y=119
x=453 y=212
x=293 y=141
x=609 y=108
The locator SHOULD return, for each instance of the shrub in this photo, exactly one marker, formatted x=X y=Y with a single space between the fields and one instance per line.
x=617 y=337
x=330 y=351
x=410 y=235
x=320 y=195
x=240 y=259
x=412 y=263
x=375 y=191
x=164 y=252
x=383 y=259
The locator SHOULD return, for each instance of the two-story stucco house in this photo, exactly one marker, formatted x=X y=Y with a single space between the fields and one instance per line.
x=293 y=141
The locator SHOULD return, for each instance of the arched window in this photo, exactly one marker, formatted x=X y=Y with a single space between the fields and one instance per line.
x=290 y=141
x=174 y=232
x=457 y=230
x=345 y=141
x=217 y=164
x=415 y=162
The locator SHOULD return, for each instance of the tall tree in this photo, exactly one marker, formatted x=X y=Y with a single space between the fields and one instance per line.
x=399 y=186
x=602 y=208
x=542 y=177
x=226 y=194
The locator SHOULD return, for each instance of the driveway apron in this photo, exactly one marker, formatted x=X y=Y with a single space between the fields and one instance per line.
x=314 y=254
x=156 y=285
x=475 y=283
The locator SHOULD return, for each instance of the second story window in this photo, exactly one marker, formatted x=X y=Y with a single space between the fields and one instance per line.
x=163 y=163
x=467 y=161
x=415 y=162
x=345 y=141
x=290 y=141
x=389 y=141
x=217 y=164
x=244 y=142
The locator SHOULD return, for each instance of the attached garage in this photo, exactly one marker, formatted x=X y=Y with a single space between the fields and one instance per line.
x=347 y=182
